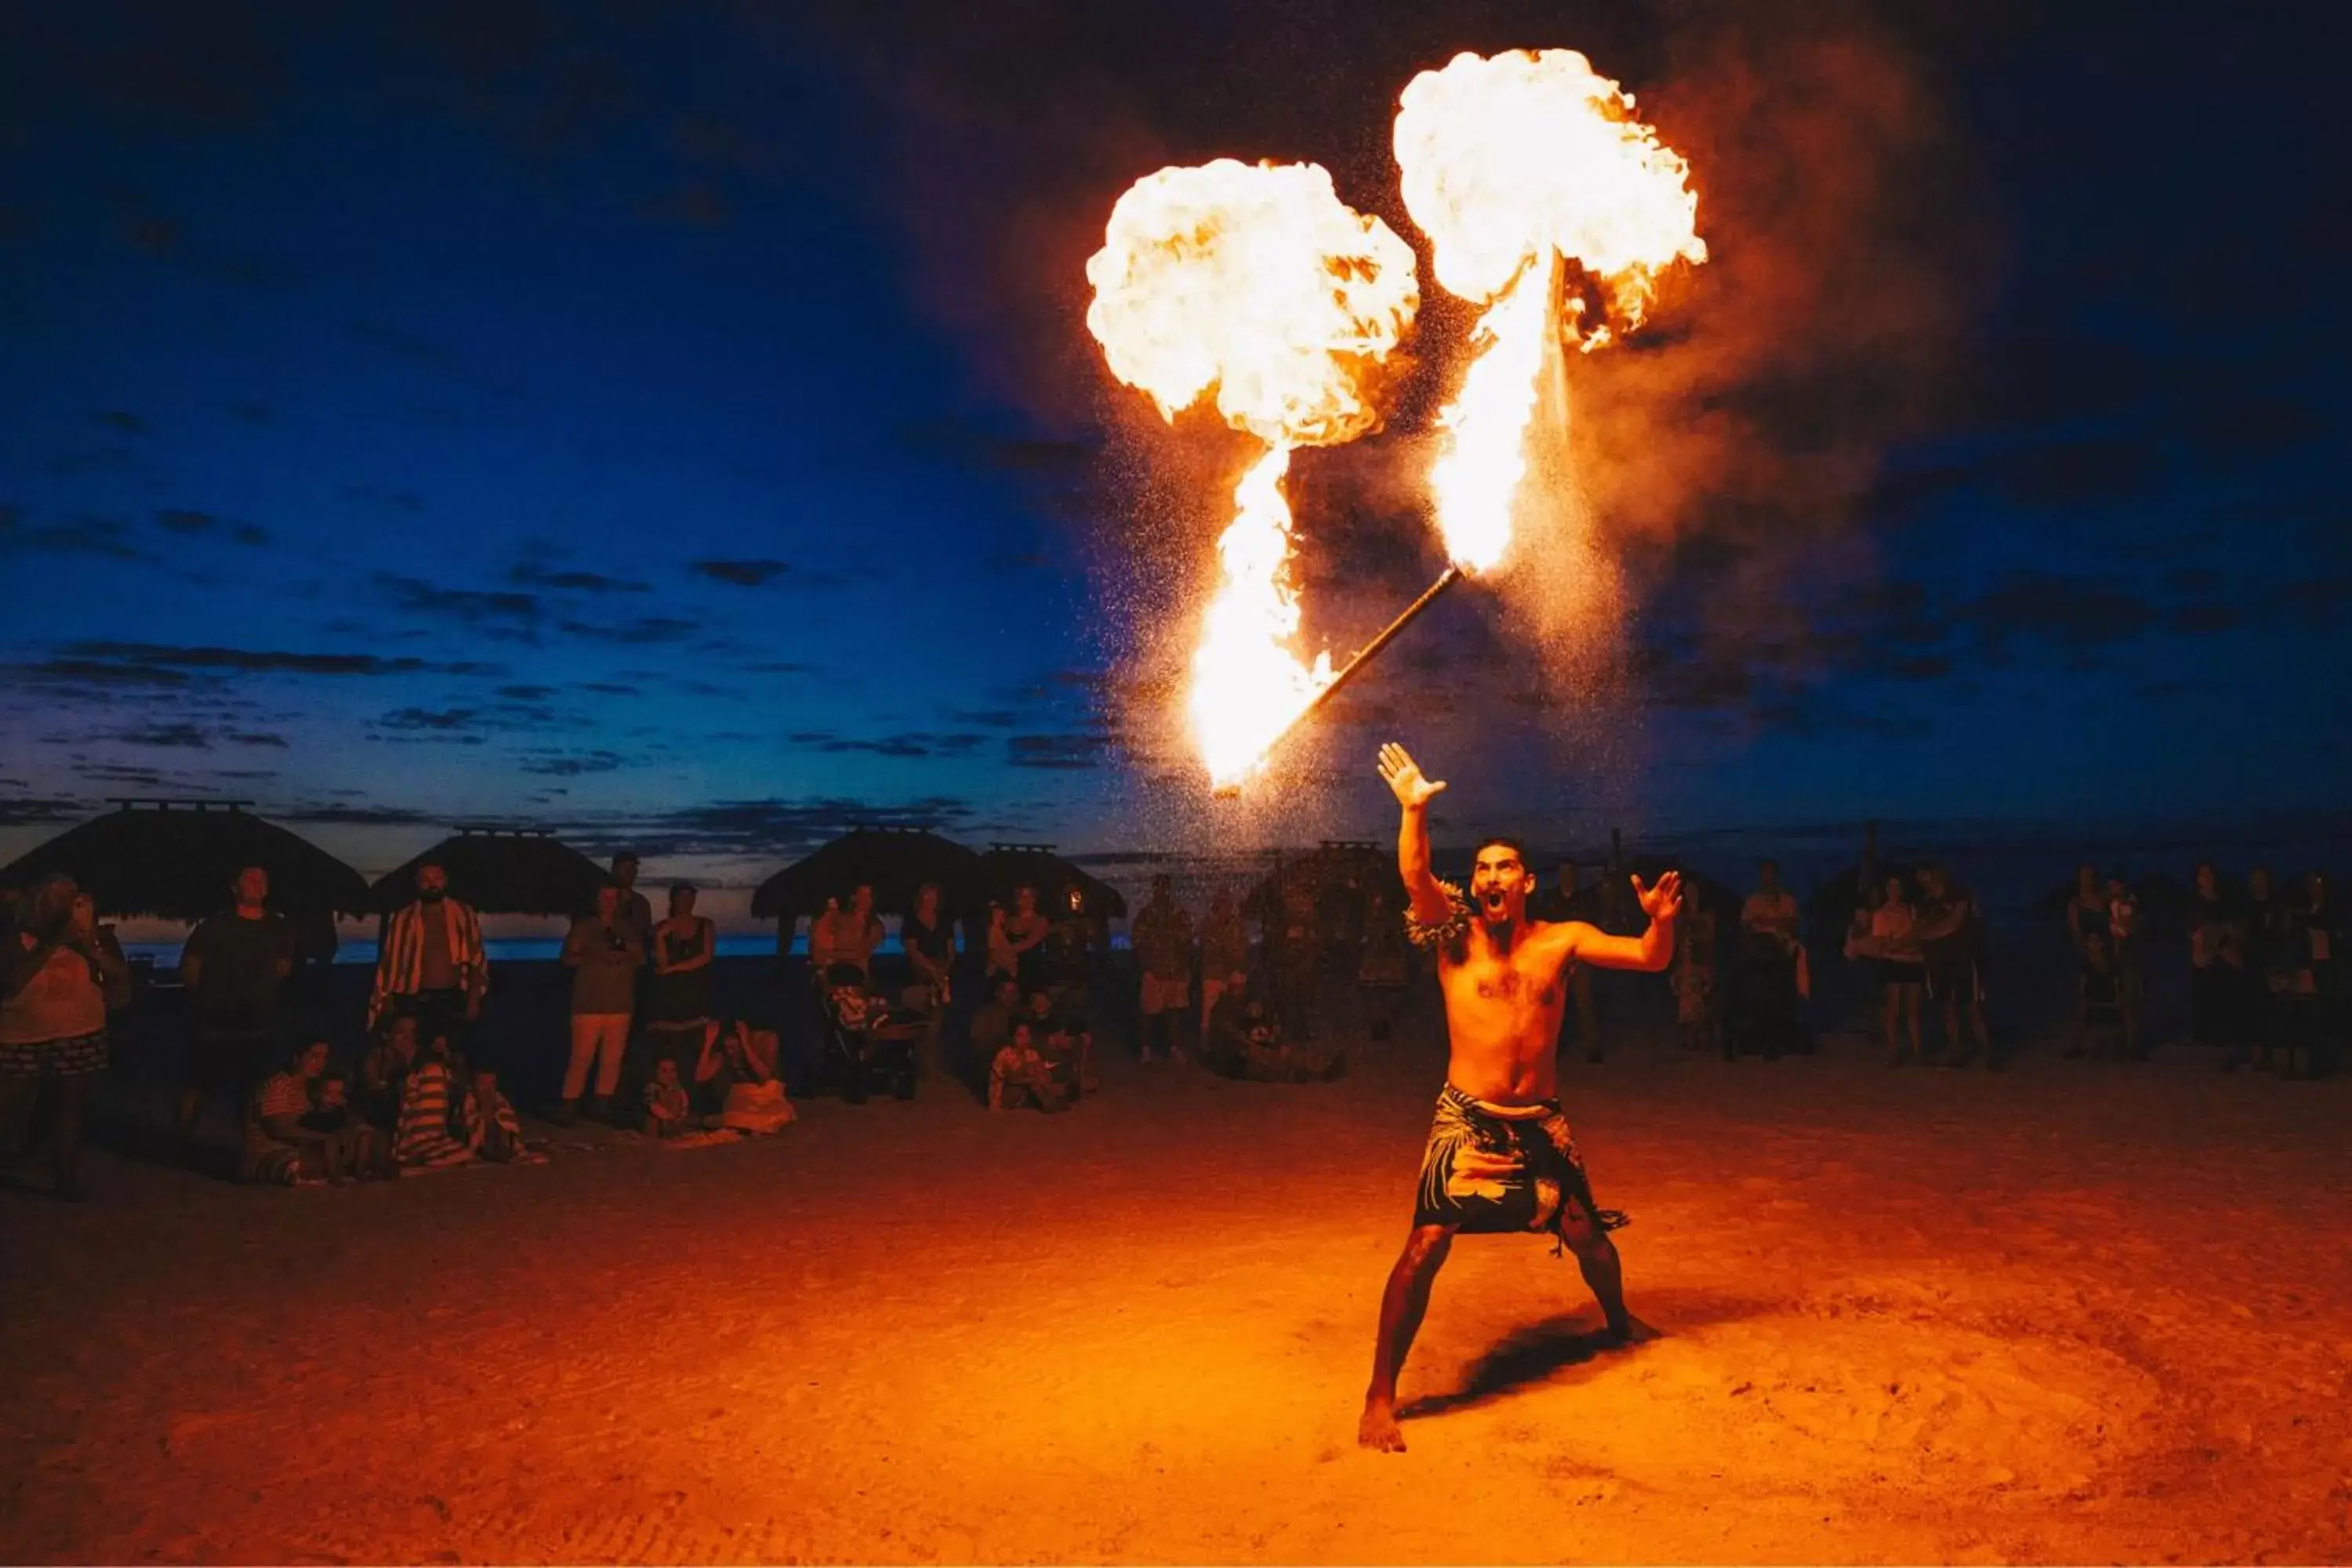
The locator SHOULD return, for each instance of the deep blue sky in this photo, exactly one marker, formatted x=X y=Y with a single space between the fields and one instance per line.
x=677 y=424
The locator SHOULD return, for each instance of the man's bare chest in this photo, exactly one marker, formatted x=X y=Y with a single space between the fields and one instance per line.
x=1533 y=980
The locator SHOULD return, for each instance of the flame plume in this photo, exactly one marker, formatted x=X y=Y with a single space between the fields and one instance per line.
x=1513 y=166
x=1255 y=281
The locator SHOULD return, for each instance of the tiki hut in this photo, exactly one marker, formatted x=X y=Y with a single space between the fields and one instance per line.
x=174 y=860
x=500 y=871
x=896 y=861
x=1009 y=866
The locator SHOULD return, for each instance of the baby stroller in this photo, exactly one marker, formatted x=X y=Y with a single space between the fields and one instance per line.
x=866 y=1042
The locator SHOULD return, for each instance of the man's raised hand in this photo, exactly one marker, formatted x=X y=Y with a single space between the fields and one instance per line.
x=1662 y=901
x=1402 y=775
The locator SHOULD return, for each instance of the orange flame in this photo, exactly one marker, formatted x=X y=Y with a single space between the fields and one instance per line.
x=1257 y=281
x=1509 y=163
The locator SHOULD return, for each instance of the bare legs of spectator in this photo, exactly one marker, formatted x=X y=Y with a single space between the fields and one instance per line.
x=17 y=1096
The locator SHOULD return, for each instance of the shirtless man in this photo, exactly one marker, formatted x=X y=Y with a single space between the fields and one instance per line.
x=1501 y=1157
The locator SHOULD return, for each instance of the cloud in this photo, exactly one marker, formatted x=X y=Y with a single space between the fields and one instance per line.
x=781 y=827
x=445 y=719
x=167 y=736
x=572 y=765
x=1058 y=753
x=255 y=738
x=496 y=613
x=526 y=693
x=405 y=502
x=25 y=809
x=85 y=535
x=644 y=630
x=533 y=576
x=196 y=524
x=139 y=663
x=121 y=423
x=909 y=744
x=742 y=574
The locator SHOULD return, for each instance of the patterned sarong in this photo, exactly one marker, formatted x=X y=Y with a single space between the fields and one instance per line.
x=423 y=1141
x=1492 y=1168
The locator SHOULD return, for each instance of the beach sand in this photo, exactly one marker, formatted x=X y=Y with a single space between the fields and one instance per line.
x=2073 y=1312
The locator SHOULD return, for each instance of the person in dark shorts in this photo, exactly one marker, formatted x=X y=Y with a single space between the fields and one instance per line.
x=1950 y=935
x=677 y=996
x=234 y=966
x=1500 y=1156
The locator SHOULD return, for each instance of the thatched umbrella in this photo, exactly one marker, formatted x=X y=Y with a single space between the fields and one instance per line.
x=175 y=859
x=897 y=862
x=1009 y=866
x=500 y=871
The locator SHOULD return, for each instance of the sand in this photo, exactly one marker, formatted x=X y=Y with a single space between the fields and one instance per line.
x=2075 y=1312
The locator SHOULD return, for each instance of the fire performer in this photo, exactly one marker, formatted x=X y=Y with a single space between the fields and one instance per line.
x=1501 y=1157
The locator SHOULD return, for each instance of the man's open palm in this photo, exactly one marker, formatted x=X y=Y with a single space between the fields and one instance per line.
x=1402 y=775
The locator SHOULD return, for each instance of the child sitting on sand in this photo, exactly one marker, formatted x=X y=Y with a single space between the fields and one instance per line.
x=669 y=1113
x=423 y=1143
x=1021 y=1075
x=343 y=1136
x=493 y=1131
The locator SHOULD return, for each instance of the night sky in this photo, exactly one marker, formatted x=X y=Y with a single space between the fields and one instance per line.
x=677 y=424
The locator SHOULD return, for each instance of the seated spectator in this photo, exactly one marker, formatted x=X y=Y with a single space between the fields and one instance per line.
x=1241 y=1021
x=992 y=1021
x=353 y=1149
x=670 y=1113
x=735 y=1078
x=490 y=1127
x=1065 y=1041
x=384 y=1072
x=2099 y=1010
x=278 y=1152
x=424 y=1141
x=1020 y=1076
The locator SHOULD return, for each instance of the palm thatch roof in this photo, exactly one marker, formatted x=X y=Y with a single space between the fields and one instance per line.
x=896 y=862
x=1009 y=866
x=500 y=871
x=174 y=860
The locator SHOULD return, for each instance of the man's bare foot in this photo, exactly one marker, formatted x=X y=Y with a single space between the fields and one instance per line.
x=1632 y=1331
x=1378 y=1428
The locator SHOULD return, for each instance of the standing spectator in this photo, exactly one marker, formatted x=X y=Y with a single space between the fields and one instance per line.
x=234 y=967
x=54 y=976
x=1383 y=977
x=2124 y=956
x=849 y=935
x=1224 y=955
x=1569 y=902
x=2274 y=944
x=678 y=997
x=1949 y=931
x=1003 y=962
x=634 y=908
x=2217 y=966
x=1024 y=930
x=929 y=938
x=2322 y=934
x=1700 y=1019
x=602 y=952
x=1902 y=971
x=2086 y=912
x=432 y=966
x=1298 y=957
x=1163 y=939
